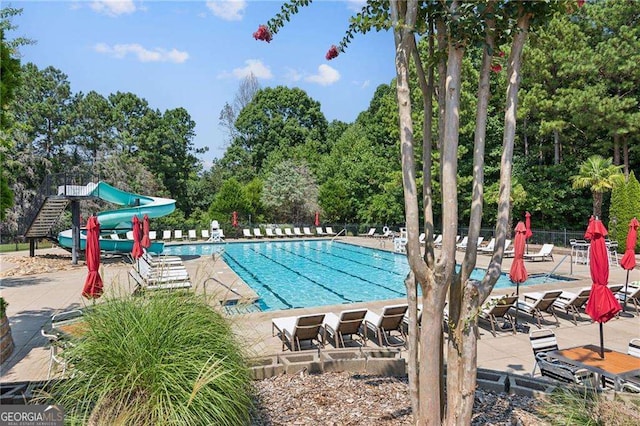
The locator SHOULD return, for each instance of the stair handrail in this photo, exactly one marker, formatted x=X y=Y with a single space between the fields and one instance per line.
x=49 y=187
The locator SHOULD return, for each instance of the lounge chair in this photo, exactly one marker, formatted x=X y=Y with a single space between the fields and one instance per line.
x=247 y=233
x=192 y=235
x=177 y=234
x=161 y=273
x=129 y=235
x=632 y=295
x=544 y=341
x=489 y=247
x=370 y=233
x=499 y=308
x=269 y=233
x=330 y=231
x=573 y=302
x=463 y=244
x=114 y=236
x=293 y=330
x=279 y=233
x=386 y=234
x=347 y=323
x=307 y=232
x=421 y=238
x=205 y=234
x=438 y=241
x=388 y=321
x=288 y=233
x=320 y=232
x=297 y=232
x=538 y=304
x=544 y=253
x=153 y=235
x=166 y=235
x=257 y=233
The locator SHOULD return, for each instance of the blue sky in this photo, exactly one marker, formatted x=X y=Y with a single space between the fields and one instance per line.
x=194 y=54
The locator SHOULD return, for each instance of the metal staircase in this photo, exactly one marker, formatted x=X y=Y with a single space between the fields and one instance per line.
x=47 y=216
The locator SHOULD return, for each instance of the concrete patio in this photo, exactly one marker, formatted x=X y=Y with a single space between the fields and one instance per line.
x=34 y=298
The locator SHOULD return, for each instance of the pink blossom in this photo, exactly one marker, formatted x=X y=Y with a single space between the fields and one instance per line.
x=581 y=3
x=263 y=34
x=501 y=54
x=332 y=53
x=496 y=68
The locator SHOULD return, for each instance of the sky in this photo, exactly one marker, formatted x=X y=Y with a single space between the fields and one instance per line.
x=194 y=54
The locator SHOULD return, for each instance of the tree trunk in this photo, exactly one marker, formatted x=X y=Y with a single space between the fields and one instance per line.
x=556 y=146
x=625 y=154
x=616 y=149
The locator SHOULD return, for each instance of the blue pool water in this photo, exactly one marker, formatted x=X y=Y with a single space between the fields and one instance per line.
x=296 y=274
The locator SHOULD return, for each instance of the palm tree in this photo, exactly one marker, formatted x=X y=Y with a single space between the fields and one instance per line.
x=600 y=175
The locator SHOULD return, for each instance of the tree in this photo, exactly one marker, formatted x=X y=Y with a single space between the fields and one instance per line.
x=229 y=198
x=458 y=24
x=279 y=118
x=600 y=176
x=290 y=191
x=249 y=86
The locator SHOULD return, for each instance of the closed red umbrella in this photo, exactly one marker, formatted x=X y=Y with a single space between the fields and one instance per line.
x=518 y=272
x=527 y=224
x=146 y=241
x=93 y=284
x=234 y=219
x=602 y=305
x=628 y=261
x=136 y=251
x=317 y=221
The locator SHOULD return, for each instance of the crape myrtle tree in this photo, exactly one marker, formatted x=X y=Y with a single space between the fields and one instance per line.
x=450 y=27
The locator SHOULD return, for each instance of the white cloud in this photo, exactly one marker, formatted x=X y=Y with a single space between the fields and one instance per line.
x=229 y=10
x=292 y=75
x=113 y=7
x=255 y=66
x=364 y=84
x=144 y=55
x=356 y=5
x=325 y=77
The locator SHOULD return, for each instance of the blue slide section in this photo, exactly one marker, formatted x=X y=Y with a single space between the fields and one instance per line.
x=118 y=220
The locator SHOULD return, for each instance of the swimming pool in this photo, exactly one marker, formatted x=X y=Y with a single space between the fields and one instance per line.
x=299 y=274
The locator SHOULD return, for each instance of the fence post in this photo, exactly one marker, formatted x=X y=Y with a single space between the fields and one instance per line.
x=565 y=237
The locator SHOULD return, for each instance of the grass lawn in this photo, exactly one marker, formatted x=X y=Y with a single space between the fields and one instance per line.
x=5 y=248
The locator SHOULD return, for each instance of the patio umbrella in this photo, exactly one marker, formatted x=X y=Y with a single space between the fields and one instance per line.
x=93 y=284
x=602 y=305
x=518 y=272
x=234 y=219
x=146 y=242
x=136 y=251
x=628 y=261
x=317 y=221
x=527 y=224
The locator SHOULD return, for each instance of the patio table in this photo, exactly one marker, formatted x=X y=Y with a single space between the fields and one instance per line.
x=617 y=366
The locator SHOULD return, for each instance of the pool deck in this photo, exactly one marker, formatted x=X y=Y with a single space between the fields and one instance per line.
x=34 y=298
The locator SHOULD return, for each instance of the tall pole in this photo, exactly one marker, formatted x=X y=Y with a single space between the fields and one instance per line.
x=75 y=231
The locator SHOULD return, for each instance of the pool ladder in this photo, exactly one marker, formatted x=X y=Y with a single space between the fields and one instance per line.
x=338 y=234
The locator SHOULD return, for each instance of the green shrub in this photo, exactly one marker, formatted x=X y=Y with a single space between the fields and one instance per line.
x=163 y=359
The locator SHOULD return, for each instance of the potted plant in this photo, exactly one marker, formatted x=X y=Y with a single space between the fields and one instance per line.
x=6 y=341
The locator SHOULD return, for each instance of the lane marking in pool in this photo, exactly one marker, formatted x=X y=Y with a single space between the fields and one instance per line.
x=359 y=263
x=343 y=272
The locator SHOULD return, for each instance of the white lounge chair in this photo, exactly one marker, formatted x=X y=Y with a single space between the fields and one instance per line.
x=297 y=233
x=463 y=244
x=288 y=233
x=114 y=236
x=489 y=247
x=320 y=232
x=257 y=233
x=421 y=238
x=205 y=234
x=177 y=234
x=307 y=232
x=166 y=235
x=634 y=348
x=544 y=253
x=330 y=231
x=499 y=308
x=247 y=233
x=191 y=233
x=269 y=233
x=632 y=295
x=293 y=330
x=573 y=302
x=438 y=241
x=540 y=303
x=371 y=233
x=347 y=323
x=129 y=235
x=388 y=321
x=279 y=233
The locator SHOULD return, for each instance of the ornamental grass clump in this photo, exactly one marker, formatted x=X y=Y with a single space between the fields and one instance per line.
x=161 y=359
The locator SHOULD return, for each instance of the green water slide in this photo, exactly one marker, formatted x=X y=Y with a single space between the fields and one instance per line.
x=119 y=220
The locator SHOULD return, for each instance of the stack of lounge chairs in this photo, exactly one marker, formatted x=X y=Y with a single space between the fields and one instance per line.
x=159 y=273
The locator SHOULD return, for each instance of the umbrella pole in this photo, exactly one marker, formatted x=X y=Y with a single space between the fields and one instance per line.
x=624 y=303
x=601 y=342
x=517 y=304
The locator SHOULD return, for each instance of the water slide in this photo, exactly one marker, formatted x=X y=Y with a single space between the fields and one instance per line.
x=117 y=220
